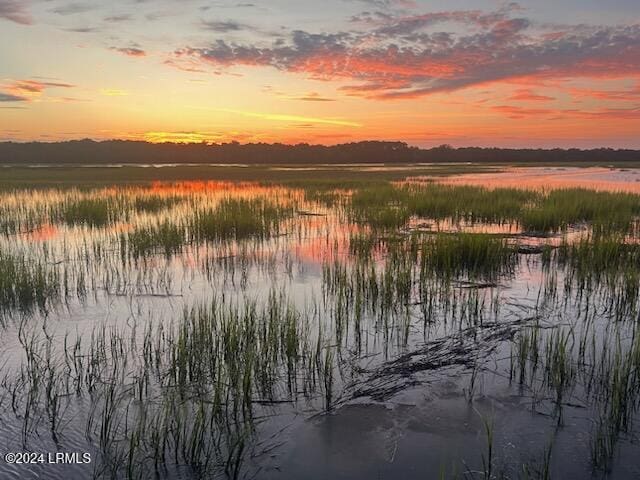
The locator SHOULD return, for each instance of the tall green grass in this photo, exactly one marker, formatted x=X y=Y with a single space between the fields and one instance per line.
x=154 y=203
x=93 y=212
x=605 y=211
x=472 y=256
x=166 y=237
x=391 y=206
x=236 y=219
x=472 y=204
x=599 y=255
x=26 y=285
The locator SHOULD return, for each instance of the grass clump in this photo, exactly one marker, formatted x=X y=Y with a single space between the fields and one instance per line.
x=383 y=206
x=166 y=237
x=604 y=264
x=468 y=255
x=328 y=198
x=236 y=219
x=154 y=203
x=93 y=212
x=473 y=204
x=436 y=200
x=598 y=256
x=26 y=286
x=606 y=211
x=389 y=217
x=389 y=206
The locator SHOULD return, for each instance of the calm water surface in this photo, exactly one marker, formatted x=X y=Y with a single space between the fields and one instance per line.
x=402 y=391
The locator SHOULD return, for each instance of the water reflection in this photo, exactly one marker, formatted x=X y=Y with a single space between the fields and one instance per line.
x=291 y=339
x=549 y=178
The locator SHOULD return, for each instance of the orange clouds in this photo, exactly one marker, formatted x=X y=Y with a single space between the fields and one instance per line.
x=520 y=112
x=632 y=94
x=516 y=112
x=25 y=90
x=530 y=96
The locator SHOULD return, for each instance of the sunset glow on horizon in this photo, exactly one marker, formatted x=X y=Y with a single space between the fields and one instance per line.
x=480 y=73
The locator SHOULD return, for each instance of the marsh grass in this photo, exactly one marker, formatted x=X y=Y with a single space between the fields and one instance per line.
x=616 y=390
x=93 y=212
x=560 y=209
x=392 y=279
x=186 y=393
x=192 y=390
x=166 y=237
x=472 y=204
x=327 y=198
x=607 y=265
x=599 y=256
x=599 y=371
x=236 y=219
x=104 y=207
x=229 y=220
x=560 y=371
x=153 y=203
x=26 y=285
x=391 y=206
x=468 y=256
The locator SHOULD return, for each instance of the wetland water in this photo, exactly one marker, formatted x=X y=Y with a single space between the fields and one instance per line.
x=419 y=330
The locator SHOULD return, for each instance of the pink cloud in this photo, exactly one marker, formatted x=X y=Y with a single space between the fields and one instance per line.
x=15 y=11
x=632 y=94
x=516 y=112
x=401 y=58
x=25 y=90
x=527 y=95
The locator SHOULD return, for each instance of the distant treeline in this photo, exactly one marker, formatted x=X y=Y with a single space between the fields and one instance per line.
x=121 y=151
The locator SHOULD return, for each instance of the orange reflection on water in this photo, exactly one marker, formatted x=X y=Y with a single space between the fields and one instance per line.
x=212 y=186
x=214 y=190
x=551 y=178
x=320 y=249
x=200 y=186
x=42 y=233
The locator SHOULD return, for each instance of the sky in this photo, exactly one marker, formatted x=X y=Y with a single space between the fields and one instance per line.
x=536 y=73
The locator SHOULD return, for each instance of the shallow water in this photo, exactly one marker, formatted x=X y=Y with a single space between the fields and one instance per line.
x=407 y=392
x=547 y=178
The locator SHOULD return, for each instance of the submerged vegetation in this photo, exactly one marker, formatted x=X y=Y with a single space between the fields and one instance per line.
x=178 y=329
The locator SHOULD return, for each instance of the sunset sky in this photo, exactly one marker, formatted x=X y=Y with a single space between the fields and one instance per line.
x=540 y=73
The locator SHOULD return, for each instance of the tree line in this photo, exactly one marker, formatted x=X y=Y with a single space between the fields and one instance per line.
x=125 y=151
